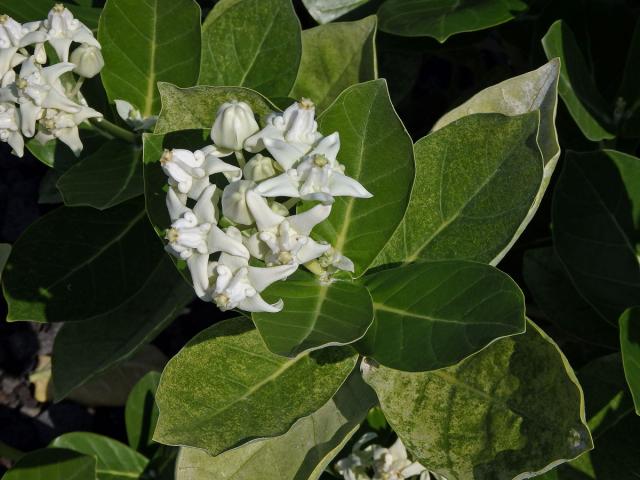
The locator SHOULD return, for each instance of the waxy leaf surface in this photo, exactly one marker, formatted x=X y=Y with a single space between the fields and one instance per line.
x=53 y=464
x=630 y=346
x=141 y=412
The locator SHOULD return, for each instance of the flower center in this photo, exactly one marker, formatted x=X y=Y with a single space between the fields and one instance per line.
x=22 y=83
x=221 y=300
x=320 y=161
x=172 y=235
x=58 y=7
x=306 y=104
x=4 y=19
x=285 y=258
x=49 y=123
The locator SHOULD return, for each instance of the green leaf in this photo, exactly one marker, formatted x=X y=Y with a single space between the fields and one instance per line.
x=117 y=335
x=251 y=43
x=562 y=305
x=5 y=250
x=613 y=422
x=77 y=263
x=476 y=180
x=376 y=150
x=314 y=315
x=440 y=19
x=108 y=177
x=300 y=454
x=225 y=388
x=434 y=314
x=112 y=387
x=535 y=90
x=334 y=57
x=577 y=87
x=115 y=461
x=629 y=92
x=145 y=42
x=630 y=346
x=141 y=413
x=325 y=11
x=512 y=410
x=196 y=107
x=595 y=218
x=58 y=156
x=34 y=10
x=53 y=464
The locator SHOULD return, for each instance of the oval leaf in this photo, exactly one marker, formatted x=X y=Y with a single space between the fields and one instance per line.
x=225 y=388
x=300 y=454
x=148 y=42
x=251 y=43
x=432 y=315
x=53 y=464
x=315 y=314
x=630 y=343
x=510 y=411
x=376 y=150
x=115 y=460
x=62 y=267
x=476 y=180
x=141 y=412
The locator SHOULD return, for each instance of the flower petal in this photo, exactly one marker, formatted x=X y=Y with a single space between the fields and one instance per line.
x=257 y=304
x=204 y=208
x=197 y=264
x=219 y=241
x=304 y=222
x=261 y=278
x=311 y=250
x=341 y=185
x=284 y=185
x=285 y=153
x=265 y=217
x=175 y=206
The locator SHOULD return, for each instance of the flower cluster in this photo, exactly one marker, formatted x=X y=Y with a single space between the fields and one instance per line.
x=375 y=462
x=261 y=242
x=39 y=99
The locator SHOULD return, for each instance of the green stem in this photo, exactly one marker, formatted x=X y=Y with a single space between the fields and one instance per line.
x=314 y=267
x=240 y=157
x=113 y=130
x=10 y=453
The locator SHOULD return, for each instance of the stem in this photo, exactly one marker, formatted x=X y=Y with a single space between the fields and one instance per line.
x=240 y=157
x=10 y=453
x=289 y=204
x=314 y=267
x=113 y=130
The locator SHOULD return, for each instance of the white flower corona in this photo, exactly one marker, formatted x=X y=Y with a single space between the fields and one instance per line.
x=63 y=29
x=261 y=230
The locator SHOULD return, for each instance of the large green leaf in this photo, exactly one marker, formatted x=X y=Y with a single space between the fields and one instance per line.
x=58 y=156
x=78 y=263
x=35 y=10
x=315 y=314
x=594 y=213
x=476 y=180
x=324 y=11
x=629 y=92
x=196 y=107
x=334 y=57
x=511 y=410
x=535 y=90
x=376 y=150
x=577 y=87
x=251 y=43
x=434 y=314
x=115 y=461
x=300 y=454
x=613 y=422
x=562 y=305
x=145 y=42
x=225 y=388
x=630 y=345
x=53 y=464
x=118 y=334
x=440 y=19
x=141 y=413
x=5 y=250
x=108 y=177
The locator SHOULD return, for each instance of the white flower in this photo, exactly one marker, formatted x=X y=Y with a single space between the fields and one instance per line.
x=234 y=202
x=292 y=132
x=234 y=123
x=88 y=60
x=259 y=168
x=14 y=36
x=62 y=29
x=189 y=171
x=332 y=261
x=236 y=284
x=64 y=126
x=318 y=176
x=10 y=128
x=133 y=117
x=35 y=89
x=284 y=240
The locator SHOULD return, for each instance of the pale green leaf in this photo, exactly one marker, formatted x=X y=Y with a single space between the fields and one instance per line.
x=630 y=346
x=314 y=315
x=476 y=180
x=145 y=42
x=225 y=388
x=434 y=314
x=141 y=412
x=334 y=57
x=251 y=43
x=325 y=11
x=510 y=411
x=376 y=150
x=300 y=454
x=53 y=464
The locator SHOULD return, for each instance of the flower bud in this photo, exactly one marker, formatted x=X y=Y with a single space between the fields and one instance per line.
x=233 y=125
x=234 y=202
x=259 y=168
x=88 y=60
